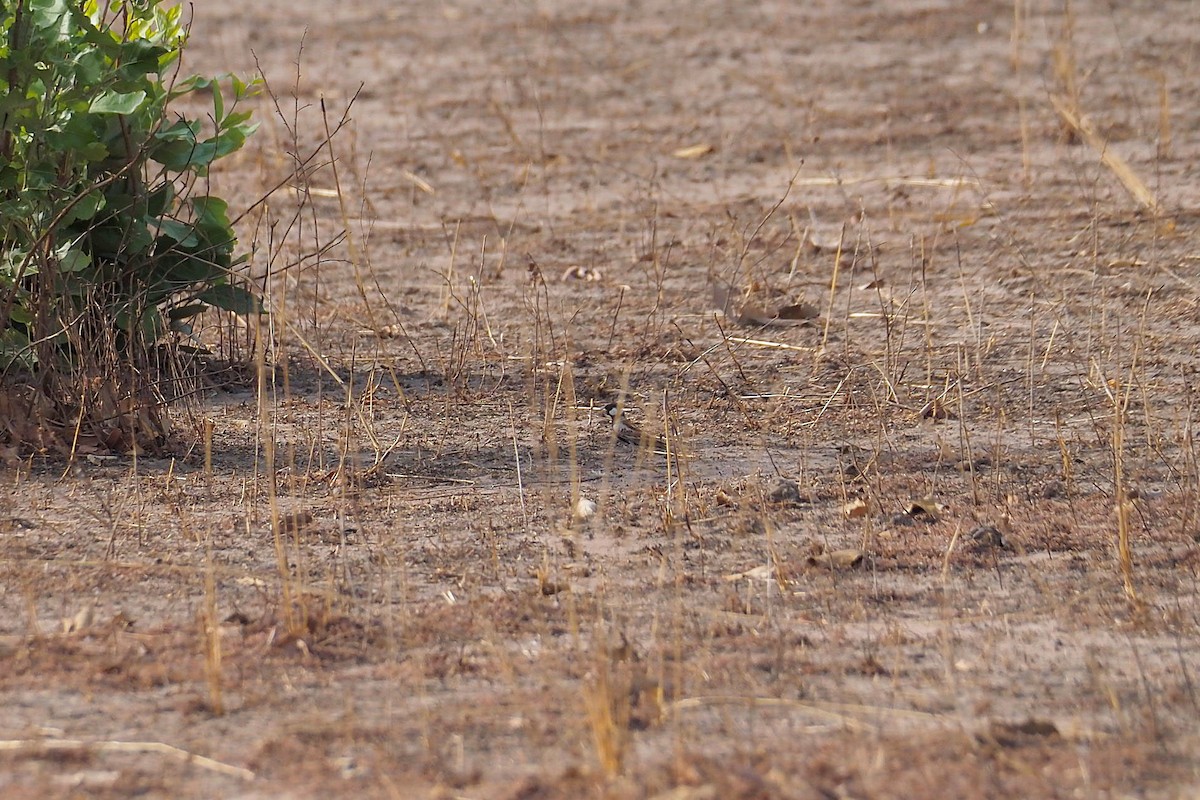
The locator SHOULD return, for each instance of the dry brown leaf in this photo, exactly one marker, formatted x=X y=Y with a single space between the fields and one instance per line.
x=585 y=274
x=750 y=314
x=81 y=621
x=694 y=151
x=390 y=332
x=577 y=569
x=935 y=410
x=295 y=521
x=756 y=315
x=759 y=573
x=924 y=507
x=798 y=311
x=838 y=559
x=957 y=220
x=855 y=509
x=1013 y=734
x=822 y=244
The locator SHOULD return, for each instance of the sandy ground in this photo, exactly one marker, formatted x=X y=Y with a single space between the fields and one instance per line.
x=918 y=353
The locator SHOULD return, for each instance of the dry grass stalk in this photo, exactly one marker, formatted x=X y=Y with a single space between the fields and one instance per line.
x=1123 y=504
x=1117 y=165
x=161 y=748
x=608 y=713
x=211 y=625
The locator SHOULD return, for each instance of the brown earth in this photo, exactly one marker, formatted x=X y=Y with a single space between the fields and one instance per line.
x=545 y=204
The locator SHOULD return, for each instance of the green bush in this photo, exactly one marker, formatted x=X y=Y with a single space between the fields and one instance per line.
x=106 y=244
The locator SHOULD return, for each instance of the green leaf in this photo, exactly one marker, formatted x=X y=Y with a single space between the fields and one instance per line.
x=231 y=298
x=158 y=202
x=73 y=260
x=93 y=151
x=117 y=103
x=50 y=14
x=22 y=315
x=153 y=324
x=180 y=233
x=179 y=270
x=212 y=214
x=113 y=243
x=232 y=139
x=218 y=101
x=190 y=310
x=87 y=208
x=140 y=58
x=91 y=65
x=12 y=264
x=182 y=156
x=15 y=349
x=181 y=130
x=100 y=168
x=238 y=118
x=182 y=327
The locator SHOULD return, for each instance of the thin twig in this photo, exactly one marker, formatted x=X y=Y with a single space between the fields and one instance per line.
x=161 y=748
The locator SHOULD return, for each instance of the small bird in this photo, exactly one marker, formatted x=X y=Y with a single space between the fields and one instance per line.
x=629 y=433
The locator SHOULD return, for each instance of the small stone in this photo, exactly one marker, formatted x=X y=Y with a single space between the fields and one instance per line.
x=986 y=537
x=1054 y=489
x=784 y=491
x=584 y=510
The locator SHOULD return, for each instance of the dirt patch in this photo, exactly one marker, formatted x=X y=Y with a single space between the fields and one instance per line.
x=382 y=581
